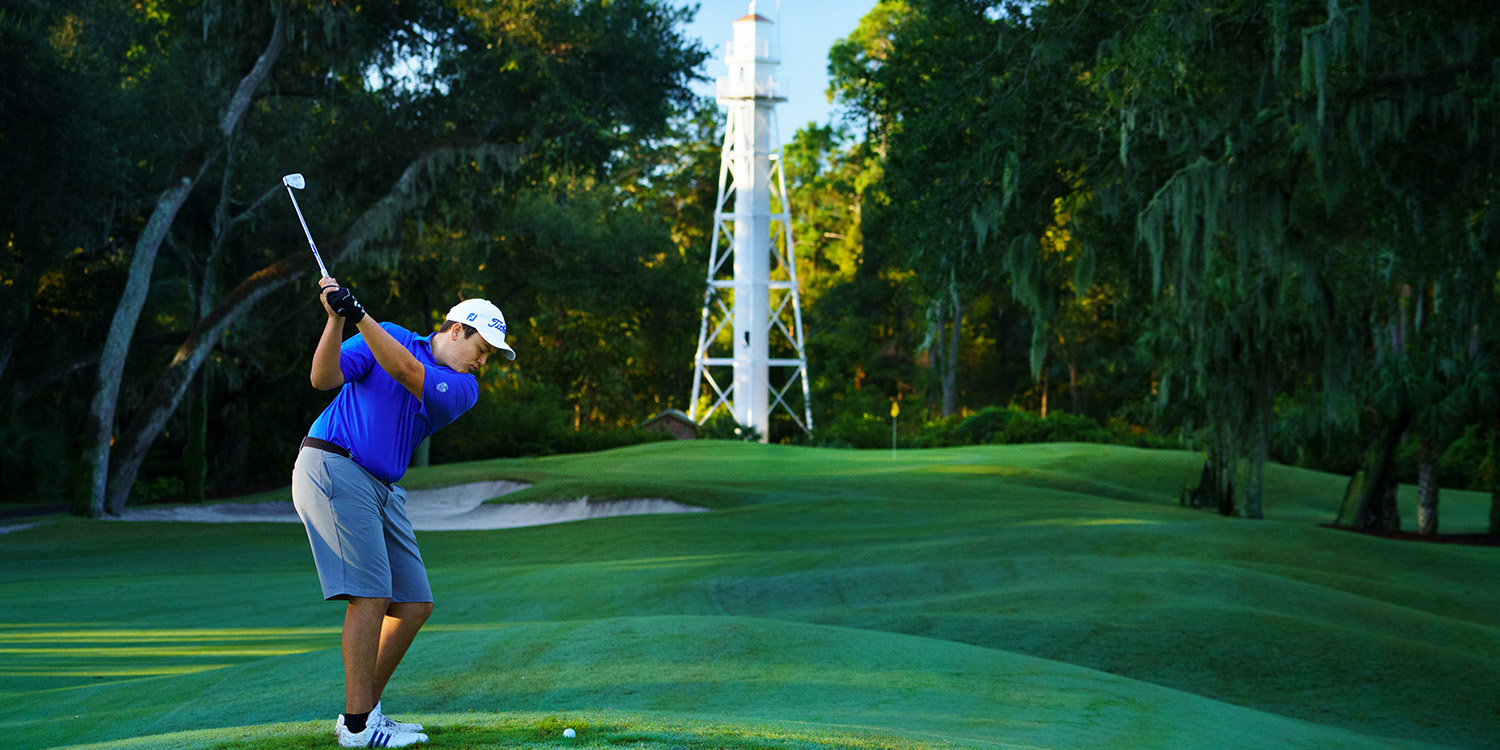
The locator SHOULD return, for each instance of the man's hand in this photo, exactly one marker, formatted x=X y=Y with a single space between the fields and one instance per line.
x=389 y=354
x=328 y=290
x=342 y=302
x=325 y=285
x=325 y=365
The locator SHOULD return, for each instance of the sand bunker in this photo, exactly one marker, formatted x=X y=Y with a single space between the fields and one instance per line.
x=458 y=508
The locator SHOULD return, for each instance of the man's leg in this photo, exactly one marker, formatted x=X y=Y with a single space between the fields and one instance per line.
x=402 y=621
x=363 y=622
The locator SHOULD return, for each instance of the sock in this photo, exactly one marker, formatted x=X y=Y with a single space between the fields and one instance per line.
x=355 y=723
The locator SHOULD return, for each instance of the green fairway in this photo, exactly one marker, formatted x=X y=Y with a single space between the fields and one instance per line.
x=1008 y=596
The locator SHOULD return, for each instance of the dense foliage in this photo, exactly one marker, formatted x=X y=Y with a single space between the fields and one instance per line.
x=157 y=287
x=1274 y=220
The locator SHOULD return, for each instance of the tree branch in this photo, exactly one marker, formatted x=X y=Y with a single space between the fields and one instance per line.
x=241 y=99
x=380 y=220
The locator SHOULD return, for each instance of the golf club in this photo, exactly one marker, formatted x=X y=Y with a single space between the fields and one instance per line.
x=295 y=180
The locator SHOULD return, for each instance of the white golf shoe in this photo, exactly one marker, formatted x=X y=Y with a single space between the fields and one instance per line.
x=375 y=735
x=379 y=719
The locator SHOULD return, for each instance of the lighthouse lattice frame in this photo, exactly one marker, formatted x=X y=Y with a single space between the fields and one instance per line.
x=756 y=297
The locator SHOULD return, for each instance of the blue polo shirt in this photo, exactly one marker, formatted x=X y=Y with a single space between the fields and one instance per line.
x=381 y=422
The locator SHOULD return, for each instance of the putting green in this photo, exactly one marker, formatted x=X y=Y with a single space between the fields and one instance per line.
x=1009 y=596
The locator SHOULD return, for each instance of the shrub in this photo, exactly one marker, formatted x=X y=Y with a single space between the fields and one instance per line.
x=514 y=419
x=587 y=441
x=990 y=426
x=855 y=431
x=1011 y=425
x=1459 y=465
x=160 y=489
x=722 y=426
x=509 y=420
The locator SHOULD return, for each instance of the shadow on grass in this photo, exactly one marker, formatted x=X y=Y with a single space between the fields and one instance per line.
x=1473 y=540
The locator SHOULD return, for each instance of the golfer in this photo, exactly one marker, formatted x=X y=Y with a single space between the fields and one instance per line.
x=395 y=389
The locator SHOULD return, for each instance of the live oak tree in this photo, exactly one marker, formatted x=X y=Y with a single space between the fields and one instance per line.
x=1283 y=173
x=202 y=146
x=858 y=337
x=964 y=201
x=514 y=91
x=1195 y=154
x=1405 y=109
x=1274 y=139
x=64 y=194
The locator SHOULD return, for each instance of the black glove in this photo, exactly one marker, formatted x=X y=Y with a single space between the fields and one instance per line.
x=343 y=302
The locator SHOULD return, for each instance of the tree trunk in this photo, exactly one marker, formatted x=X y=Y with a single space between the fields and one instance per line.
x=1254 y=494
x=101 y=419
x=1495 y=513
x=1044 y=387
x=170 y=387
x=380 y=220
x=195 y=455
x=1427 y=487
x=1224 y=479
x=935 y=351
x=1001 y=327
x=1495 y=483
x=1264 y=414
x=25 y=390
x=1215 y=485
x=1387 y=515
x=1073 y=387
x=15 y=314
x=950 y=362
x=1197 y=497
x=15 y=308
x=1369 y=499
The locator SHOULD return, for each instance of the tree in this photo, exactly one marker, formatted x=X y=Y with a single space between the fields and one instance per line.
x=63 y=192
x=1270 y=146
x=1402 y=95
x=566 y=103
x=947 y=107
x=180 y=185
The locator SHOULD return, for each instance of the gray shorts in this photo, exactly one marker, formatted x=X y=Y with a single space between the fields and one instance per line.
x=361 y=539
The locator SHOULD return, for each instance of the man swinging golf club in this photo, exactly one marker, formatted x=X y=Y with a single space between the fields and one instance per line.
x=395 y=389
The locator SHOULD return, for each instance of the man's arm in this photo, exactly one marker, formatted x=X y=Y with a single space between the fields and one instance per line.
x=392 y=357
x=326 y=373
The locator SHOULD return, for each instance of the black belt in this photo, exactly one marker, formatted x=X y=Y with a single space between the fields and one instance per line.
x=324 y=445
x=336 y=449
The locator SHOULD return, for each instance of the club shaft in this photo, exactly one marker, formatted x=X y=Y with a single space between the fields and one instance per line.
x=305 y=231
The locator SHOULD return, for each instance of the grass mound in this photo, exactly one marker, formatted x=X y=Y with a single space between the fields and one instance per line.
x=1011 y=596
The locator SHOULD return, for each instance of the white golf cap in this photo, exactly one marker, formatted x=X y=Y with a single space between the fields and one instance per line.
x=485 y=317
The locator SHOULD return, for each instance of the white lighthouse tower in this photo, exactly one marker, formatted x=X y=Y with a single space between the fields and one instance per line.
x=756 y=295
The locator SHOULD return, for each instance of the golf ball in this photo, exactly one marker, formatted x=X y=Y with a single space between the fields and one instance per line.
x=569 y=732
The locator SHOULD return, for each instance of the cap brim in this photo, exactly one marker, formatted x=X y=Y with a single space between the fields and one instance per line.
x=504 y=348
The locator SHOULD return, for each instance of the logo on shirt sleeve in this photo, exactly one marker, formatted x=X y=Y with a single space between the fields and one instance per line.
x=442 y=387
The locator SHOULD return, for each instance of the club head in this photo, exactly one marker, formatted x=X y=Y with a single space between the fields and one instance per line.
x=294 y=180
